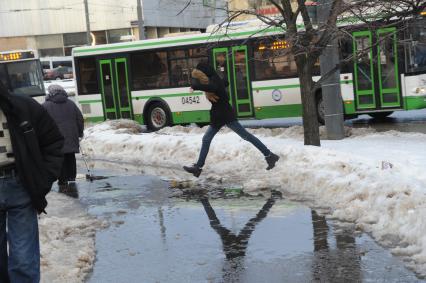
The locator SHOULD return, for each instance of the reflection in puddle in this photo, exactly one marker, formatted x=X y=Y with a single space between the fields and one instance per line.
x=235 y=245
x=224 y=236
x=343 y=264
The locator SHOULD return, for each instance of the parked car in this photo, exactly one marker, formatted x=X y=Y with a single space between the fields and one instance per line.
x=59 y=73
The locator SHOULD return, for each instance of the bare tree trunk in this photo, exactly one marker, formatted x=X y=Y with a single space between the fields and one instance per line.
x=310 y=119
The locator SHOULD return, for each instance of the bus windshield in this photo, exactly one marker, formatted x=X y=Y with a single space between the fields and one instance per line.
x=24 y=78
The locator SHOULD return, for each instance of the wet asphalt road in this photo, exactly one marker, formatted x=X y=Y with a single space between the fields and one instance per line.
x=404 y=121
x=163 y=234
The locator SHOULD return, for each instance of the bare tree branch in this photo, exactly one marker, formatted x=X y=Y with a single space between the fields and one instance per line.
x=184 y=8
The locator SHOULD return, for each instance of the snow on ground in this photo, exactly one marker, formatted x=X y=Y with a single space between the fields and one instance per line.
x=373 y=179
x=67 y=240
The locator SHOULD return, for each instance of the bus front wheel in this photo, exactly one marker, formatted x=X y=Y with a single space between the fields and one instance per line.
x=380 y=115
x=158 y=116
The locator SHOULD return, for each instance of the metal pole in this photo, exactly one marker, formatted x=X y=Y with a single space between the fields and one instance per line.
x=214 y=11
x=331 y=87
x=140 y=20
x=86 y=11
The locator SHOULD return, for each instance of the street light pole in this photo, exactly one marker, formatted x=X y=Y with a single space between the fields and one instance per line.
x=86 y=11
x=331 y=86
x=140 y=20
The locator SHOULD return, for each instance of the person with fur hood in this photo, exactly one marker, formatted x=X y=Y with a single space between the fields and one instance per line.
x=205 y=78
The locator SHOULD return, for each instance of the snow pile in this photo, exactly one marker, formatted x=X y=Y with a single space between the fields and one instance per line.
x=375 y=180
x=295 y=132
x=120 y=126
x=67 y=239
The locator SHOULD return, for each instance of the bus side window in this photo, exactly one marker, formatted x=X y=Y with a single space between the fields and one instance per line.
x=416 y=51
x=345 y=52
x=149 y=70
x=88 y=80
x=196 y=56
x=272 y=60
x=181 y=64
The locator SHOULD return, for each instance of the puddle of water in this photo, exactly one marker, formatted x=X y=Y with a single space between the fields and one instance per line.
x=157 y=235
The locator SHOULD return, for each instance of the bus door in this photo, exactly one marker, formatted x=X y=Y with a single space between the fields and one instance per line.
x=231 y=64
x=116 y=97
x=376 y=78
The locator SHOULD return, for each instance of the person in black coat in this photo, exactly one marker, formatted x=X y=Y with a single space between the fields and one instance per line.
x=30 y=161
x=71 y=124
x=221 y=114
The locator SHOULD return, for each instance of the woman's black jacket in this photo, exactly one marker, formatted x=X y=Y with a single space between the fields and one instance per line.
x=221 y=112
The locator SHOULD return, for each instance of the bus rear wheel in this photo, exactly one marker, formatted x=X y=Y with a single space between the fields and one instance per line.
x=158 y=117
x=380 y=115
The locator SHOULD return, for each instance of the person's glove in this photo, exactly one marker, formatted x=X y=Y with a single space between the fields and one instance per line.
x=212 y=97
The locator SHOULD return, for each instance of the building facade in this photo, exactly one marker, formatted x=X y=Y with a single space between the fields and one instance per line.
x=261 y=7
x=54 y=27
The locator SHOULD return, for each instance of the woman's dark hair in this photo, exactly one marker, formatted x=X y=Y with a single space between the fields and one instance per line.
x=206 y=69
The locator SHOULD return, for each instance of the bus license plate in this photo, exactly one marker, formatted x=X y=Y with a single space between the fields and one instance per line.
x=190 y=100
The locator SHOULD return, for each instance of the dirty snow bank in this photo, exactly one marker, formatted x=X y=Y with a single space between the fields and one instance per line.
x=67 y=238
x=295 y=132
x=373 y=179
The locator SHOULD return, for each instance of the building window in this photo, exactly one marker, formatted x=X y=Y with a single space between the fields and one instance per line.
x=50 y=45
x=119 y=35
x=72 y=40
x=149 y=70
x=75 y=39
x=99 y=37
x=51 y=52
x=88 y=83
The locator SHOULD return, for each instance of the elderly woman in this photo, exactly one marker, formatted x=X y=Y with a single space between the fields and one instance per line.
x=70 y=122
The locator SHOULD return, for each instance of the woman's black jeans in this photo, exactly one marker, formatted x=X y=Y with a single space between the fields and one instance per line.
x=238 y=129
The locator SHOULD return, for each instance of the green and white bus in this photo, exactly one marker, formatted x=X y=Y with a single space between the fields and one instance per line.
x=149 y=80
